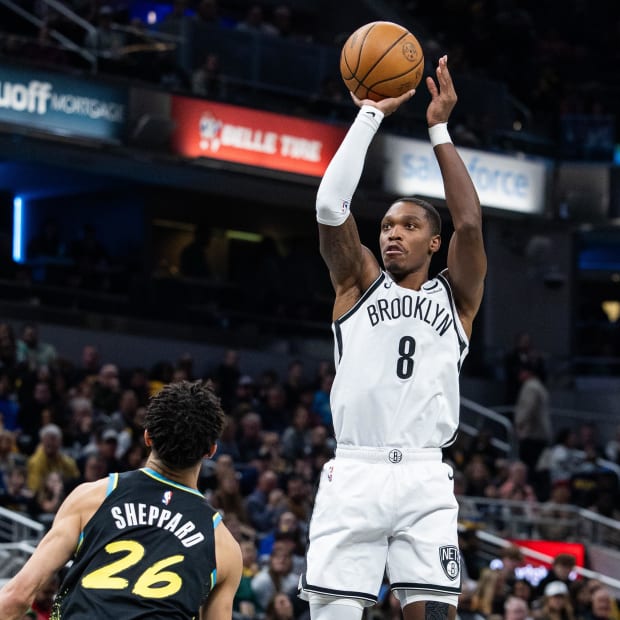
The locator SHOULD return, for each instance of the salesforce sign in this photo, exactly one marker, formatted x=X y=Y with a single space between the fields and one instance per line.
x=62 y=104
x=502 y=182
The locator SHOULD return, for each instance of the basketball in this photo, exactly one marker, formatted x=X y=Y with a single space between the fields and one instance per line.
x=381 y=60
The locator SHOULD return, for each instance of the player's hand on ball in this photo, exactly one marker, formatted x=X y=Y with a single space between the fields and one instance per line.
x=387 y=106
x=443 y=95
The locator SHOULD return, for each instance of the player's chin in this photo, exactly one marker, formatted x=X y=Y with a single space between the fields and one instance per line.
x=394 y=266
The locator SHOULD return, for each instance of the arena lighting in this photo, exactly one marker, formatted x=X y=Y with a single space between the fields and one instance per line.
x=18 y=229
x=611 y=308
x=241 y=235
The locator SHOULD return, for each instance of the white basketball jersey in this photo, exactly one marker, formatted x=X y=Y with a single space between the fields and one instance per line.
x=398 y=354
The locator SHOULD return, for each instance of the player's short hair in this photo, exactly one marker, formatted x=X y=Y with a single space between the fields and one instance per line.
x=184 y=420
x=432 y=215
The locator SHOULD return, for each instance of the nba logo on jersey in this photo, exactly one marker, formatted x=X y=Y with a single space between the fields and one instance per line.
x=167 y=498
x=330 y=473
x=450 y=562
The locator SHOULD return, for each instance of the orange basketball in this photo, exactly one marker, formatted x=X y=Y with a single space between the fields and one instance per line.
x=381 y=60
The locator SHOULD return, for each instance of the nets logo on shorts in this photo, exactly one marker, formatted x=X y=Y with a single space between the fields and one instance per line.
x=395 y=456
x=450 y=561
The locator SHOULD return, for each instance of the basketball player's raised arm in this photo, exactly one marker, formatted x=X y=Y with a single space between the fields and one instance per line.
x=352 y=267
x=229 y=567
x=467 y=262
x=51 y=554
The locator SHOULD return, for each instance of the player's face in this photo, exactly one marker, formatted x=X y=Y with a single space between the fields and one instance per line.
x=406 y=240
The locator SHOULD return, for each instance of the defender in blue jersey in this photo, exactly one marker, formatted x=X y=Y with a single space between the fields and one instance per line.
x=386 y=502
x=145 y=543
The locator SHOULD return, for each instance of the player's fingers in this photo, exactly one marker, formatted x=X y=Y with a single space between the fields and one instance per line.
x=405 y=96
x=432 y=87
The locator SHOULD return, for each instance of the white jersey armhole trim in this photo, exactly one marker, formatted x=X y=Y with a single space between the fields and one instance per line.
x=457 y=319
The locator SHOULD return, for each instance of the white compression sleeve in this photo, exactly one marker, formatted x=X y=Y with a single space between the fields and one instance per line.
x=340 y=180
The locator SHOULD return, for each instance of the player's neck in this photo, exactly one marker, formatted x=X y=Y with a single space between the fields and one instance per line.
x=412 y=280
x=187 y=477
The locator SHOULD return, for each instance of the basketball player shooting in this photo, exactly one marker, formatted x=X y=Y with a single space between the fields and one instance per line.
x=386 y=501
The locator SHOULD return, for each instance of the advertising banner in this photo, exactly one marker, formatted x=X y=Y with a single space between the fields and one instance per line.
x=252 y=137
x=62 y=104
x=502 y=181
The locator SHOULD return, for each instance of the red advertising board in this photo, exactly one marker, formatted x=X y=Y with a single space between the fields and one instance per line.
x=534 y=569
x=252 y=137
x=553 y=548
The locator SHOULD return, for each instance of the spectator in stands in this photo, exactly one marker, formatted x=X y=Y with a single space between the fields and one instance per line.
x=283 y=23
x=612 y=447
x=208 y=13
x=516 y=608
x=9 y=404
x=227 y=443
x=522 y=588
x=106 y=447
x=603 y=607
x=522 y=355
x=275 y=416
x=227 y=497
x=561 y=568
x=270 y=454
x=287 y=526
x=299 y=497
x=48 y=457
x=294 y=383
x=106 y=392
x=478 y=477
x=245 y=397
x=297 y=438
x=532 y=419
x=464 y=609
x=14 y=493
x=80 y=430
x=265 y=502
x=104 y=40
x=38 y=408
x=557 y=519
x=208 y=81
x=490 y=593
x=90 y=365
x=516 y=488
x=9 y=455
x=481 y=448
x=556 y=602
x=226 y=376
x=8 y=347
x=321 y=401
x=49 y=497
x=251 y=437
x=588 y=441
x=193 y=260
x=564 y=458
x=277 y=576
x=124 y=421
x=136 y=455
x=254 y=22
x=31 y=352
x=245 y=601
x=280 y=607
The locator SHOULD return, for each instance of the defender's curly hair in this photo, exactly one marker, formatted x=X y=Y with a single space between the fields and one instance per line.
x=184 y=420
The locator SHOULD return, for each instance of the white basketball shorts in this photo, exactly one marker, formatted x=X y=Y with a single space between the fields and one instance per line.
x=383 y=509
